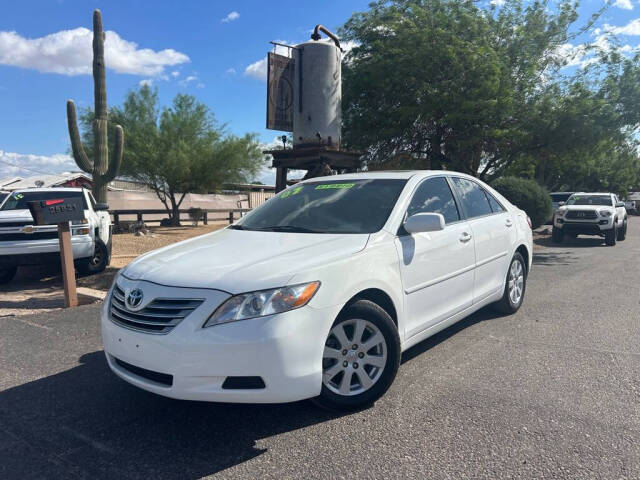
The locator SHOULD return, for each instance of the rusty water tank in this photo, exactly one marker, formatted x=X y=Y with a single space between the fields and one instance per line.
x=317 y=99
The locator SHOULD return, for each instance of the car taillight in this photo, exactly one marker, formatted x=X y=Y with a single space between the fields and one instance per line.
x=529 y=222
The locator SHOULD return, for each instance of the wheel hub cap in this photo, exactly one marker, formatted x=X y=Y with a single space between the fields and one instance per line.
x=354 y=357
x=516 y=282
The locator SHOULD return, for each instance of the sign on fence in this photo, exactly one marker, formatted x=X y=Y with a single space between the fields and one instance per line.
x=280 y=81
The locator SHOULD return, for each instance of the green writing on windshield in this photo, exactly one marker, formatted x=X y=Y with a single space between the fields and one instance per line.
x=334 y=185
x=293 y=191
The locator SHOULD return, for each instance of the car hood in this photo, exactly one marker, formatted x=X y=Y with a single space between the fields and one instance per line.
x=586 y=207
x=238 y=261
x=7 y=216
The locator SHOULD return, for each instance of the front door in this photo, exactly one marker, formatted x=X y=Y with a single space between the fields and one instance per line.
x=436 y=267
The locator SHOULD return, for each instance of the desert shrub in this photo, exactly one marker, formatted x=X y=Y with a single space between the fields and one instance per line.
x=527 y=195
x=196 y=214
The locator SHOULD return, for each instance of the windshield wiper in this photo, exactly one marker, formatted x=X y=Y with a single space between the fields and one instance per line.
x=237 y=227
x=288 y=228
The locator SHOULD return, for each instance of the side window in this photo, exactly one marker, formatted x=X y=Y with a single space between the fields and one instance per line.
x=472 y=197
x=495 y=205
x=434 y=196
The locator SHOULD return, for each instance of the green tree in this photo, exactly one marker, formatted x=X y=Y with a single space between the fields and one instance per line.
x=180 y=149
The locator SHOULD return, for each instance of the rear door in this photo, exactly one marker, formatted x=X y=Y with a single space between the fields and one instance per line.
x=436 y=267
x=492 y=229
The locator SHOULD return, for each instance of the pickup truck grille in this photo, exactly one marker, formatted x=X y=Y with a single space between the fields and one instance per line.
x=582 y=214
x=160 y=316
x=10 y=237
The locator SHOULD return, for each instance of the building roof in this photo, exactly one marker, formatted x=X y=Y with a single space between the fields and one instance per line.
x=44 y=181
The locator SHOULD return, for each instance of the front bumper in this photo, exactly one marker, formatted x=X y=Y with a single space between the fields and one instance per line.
x=585 y=227
x=284 y=350
x=36 y=252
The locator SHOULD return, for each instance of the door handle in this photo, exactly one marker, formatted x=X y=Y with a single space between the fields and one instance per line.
x=508 y=223
x=465 y=237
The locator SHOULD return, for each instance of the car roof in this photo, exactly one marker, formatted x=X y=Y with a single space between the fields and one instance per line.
x=49 y=189
x=591 y=193
x=388 y=174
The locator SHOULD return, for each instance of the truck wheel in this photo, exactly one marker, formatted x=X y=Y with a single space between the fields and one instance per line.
x=7 y=274
x=556 y=235
x=611 y=235
x=622 y=233
x=97 y=263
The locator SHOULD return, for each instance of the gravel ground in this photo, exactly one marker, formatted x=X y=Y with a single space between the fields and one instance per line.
x=551 y=392
x=39 y=289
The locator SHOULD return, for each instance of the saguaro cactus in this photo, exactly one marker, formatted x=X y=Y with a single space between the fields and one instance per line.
x=100 y=168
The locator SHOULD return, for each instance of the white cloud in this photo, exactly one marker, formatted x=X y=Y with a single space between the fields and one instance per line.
x=69 y=52
x=257 y=70
x=147 y=81
x=27 y=165
x=624 y=4
x=191 y=79
x=175 y=74
x=497 y=3
x=231 y=17
x=631 y=28
x=230 y=71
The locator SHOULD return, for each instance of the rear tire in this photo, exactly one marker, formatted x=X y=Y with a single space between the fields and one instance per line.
x=361 y=358
x=97 y=263
x=557 y=235
x=611 y=235
x=622 y=233
x=7 y=274
x=514 y=286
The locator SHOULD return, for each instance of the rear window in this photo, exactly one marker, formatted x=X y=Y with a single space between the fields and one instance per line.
x=19 y=200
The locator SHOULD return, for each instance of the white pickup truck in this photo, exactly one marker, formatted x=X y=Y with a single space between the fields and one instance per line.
x=23 y=243
x=591 y=214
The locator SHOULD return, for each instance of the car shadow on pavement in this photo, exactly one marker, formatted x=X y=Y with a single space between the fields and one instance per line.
x=88 y=422
x=579 y=242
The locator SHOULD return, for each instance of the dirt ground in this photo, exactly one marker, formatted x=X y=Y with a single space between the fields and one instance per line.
x=36 y=289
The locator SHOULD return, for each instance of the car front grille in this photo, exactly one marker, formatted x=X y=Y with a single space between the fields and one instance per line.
x=581 y=214
x=10 y=237
x=160 y=316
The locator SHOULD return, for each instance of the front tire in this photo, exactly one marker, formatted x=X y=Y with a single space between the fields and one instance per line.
x=622 y=233
x=611 y=235
x=515 y=286
x=7 y=274
x=557 y=235
x=97 y=263
x=361 y=357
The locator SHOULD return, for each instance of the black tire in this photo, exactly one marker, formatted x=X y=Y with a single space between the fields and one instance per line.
x=7 y=274
x=622 y=233
x=557 y=234
x=611 y=235
x=380 y=319
x=97 y=263
x=506 y=304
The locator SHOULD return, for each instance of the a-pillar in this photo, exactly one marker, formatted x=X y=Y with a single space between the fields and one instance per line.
x=281 y=179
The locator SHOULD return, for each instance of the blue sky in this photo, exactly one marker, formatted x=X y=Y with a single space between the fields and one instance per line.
x=214 y=50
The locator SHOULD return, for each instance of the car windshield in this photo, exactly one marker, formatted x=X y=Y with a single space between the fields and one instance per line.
x=590 y=200
x=560 y=197
x=19 y=200
x=353 y=206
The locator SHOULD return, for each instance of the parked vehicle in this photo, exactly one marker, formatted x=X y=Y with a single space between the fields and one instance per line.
x=630 y=206
x=23 y=243
x=591 y=214
x=558 y=199
x=316 y=293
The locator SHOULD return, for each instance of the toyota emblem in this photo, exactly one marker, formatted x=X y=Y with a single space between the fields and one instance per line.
x=134 y=299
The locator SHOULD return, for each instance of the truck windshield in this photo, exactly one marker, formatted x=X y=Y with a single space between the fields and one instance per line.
x=18 y=200
x=602 y=200
x=353 y=206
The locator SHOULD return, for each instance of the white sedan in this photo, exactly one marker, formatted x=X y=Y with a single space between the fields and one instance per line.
x=316 y=293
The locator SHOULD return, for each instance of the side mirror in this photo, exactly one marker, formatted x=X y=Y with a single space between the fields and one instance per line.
x=560 y=204
x=619 y=204
x=101 y=207
x=424 y=222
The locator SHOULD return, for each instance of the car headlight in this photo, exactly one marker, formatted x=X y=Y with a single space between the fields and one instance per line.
x=604 y=213
x=262 y=303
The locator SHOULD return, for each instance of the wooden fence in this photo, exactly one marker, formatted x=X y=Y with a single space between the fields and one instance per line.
x=206 y=214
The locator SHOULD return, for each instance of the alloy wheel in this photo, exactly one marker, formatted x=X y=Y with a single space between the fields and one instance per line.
x=516 y=282
x=354 y=357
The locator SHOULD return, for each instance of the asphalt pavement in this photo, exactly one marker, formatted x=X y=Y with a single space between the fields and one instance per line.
x=551 y=392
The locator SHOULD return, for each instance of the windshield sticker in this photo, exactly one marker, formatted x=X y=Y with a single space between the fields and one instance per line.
x=18 y=196
x=334 y=185
x=293 y=191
